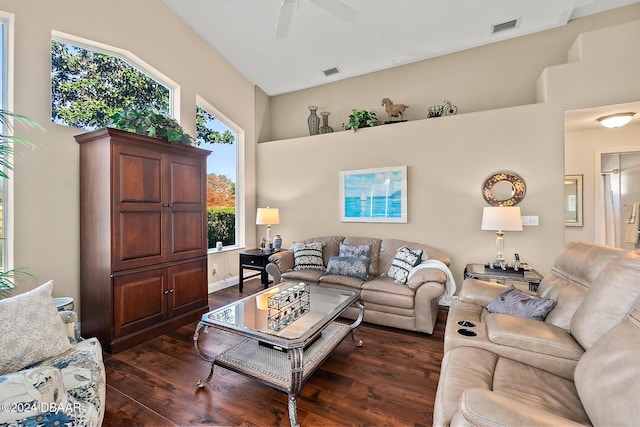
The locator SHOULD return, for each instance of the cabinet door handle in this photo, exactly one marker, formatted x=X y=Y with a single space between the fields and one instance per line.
x=166 y=292
x=170 y=291
x=167 y=205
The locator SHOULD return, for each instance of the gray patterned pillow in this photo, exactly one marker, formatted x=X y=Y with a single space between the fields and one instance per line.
x=357 y=267
x=355 y=251
x=30 y=329
x=308 y=256
x=402 y=264
x=521 y=304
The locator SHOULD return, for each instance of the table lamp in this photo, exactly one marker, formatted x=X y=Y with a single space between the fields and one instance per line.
x=500 y=219
x=268 y=216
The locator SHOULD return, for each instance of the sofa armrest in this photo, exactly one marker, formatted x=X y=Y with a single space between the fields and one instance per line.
x=24 y=393
x=479 y=292
x=284 y=260
x=426 y=275
x=532 y=335
x=486 y=408
x=71 y=324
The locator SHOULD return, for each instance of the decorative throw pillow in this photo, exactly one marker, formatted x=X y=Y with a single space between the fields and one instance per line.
x=402 y=264
x=356 y=251
x=521 y=304
x=349 y=266
x=30 y=329
x=308 y=256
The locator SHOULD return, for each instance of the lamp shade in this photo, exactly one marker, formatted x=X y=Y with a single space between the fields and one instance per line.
x=267 y=216
x=502 y=218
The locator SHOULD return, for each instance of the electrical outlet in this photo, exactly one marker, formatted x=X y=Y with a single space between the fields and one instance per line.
x=214 y=269
x=530 y=220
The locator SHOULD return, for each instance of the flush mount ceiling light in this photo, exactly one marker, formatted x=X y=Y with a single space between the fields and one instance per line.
x=616 y=120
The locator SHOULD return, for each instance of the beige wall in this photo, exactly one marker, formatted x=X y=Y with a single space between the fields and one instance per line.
x=582 y=147
x=448 y=158
x=495 y=76
x=46 y=180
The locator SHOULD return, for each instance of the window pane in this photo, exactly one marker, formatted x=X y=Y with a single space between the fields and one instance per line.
x=3 y=190
x=89 y=87
x=214 y=135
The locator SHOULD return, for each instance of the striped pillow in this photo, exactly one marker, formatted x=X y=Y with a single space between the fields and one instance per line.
x=402 y=264
x=308 y=256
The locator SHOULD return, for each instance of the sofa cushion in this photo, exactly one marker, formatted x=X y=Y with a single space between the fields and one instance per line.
x=609 y=369
x=308 y=256
x=403 y=262
x=521 y=304
x=355 y=251
x=349 y=266
x=30 y=329
x=612 y=296
x=341 y=282
x=307 y=276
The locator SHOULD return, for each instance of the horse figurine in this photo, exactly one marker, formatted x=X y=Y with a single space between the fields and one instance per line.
x=393 y=110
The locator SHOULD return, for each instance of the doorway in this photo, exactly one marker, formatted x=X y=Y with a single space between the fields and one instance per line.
x=620 y=179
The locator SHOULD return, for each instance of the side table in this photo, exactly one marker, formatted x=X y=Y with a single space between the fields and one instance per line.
x=498 y=275
x=254 y=259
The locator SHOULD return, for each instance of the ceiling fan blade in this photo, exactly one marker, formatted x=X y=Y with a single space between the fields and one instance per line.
x=284 y=20
x=337 y=8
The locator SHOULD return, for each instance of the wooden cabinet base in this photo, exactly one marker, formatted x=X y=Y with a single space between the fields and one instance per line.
x=128 y=341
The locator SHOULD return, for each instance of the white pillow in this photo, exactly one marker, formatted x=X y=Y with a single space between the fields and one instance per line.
x=30 y=329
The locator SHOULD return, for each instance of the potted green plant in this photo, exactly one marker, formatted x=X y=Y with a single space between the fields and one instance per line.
x=8 y=278
x=152 y=123
x=360 y=119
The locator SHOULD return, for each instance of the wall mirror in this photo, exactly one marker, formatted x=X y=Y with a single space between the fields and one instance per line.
x=503 y=189
x=573 y=200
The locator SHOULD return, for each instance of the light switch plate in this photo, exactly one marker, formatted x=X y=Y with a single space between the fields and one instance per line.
x=530 y=220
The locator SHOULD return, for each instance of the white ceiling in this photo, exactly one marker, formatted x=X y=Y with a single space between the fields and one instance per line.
x=588 y=118
x=384 y=33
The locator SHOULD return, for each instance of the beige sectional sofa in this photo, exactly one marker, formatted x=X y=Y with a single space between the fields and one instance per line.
x=412 y=306
x=577 y=367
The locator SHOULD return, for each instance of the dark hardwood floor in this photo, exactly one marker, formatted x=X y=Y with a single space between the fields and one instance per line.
x=390 y=381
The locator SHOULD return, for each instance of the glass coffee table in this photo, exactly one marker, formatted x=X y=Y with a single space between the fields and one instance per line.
x=289 y=330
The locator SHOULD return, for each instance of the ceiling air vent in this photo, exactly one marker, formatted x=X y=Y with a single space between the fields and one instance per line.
x=331 y=72
x=505 y=26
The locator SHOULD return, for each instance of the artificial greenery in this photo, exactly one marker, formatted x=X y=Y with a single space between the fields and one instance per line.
x=9 y=278
x=361 y=118
x=7 y=120
x=152 y=123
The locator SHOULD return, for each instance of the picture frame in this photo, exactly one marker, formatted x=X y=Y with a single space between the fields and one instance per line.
x=573 y=207
x=374 y=195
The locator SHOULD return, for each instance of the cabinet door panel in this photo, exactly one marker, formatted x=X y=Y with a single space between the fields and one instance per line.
x=188 y=178
x=140 y=177
x=187 y=218
x=139 y=300
x=188 y=287
x=138 y=211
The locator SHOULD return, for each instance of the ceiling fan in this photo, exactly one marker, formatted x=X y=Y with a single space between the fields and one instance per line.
x=334 y=7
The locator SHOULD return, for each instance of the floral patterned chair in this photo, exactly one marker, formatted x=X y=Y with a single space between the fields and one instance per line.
x=66 y=387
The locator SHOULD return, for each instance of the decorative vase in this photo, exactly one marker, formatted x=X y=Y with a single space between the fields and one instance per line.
x=313 y=121
x=325 y=128
x=277 y=243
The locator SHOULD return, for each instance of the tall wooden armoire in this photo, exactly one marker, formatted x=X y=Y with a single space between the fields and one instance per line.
x=143 y=236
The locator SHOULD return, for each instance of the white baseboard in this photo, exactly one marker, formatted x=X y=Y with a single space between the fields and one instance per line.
x=223 y=284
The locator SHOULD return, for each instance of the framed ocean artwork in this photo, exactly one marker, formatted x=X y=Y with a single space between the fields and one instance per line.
x=374 y=195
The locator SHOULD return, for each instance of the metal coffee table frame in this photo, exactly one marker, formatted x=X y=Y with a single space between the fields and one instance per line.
x=289 y=368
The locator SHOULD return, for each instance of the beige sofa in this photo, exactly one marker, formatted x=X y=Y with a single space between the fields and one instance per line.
x=412 y=306
x=579 y=365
